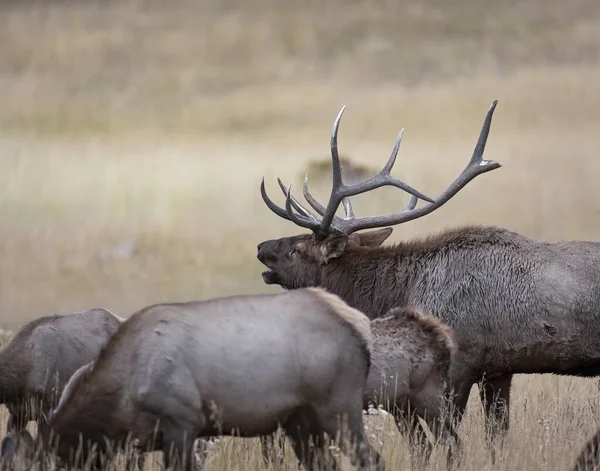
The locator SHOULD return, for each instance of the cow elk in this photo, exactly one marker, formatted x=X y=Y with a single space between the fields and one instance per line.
x=410 y=364
x=229 y=366
x=41 y=357
x=515 y=305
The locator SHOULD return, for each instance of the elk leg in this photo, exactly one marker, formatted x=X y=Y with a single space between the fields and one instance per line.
x=300 y=429
x=462 y=379
x=178 y=444
x=421 y=447
x=495 y=396
x=321 y=450
x=410 y=427
x=441 y=426
x=431 y=404
x=352 y=440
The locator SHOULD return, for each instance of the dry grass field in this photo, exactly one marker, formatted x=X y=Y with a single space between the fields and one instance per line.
x=134 y=135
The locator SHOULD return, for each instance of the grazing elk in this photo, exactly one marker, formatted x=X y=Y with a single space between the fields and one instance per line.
x=41 y=357
x=515 y=305
x=229 y=366
x=410 y=364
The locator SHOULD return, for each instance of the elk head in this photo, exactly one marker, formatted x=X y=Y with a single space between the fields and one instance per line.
x=298 y=261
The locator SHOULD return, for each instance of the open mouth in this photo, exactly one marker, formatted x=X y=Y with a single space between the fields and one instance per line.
x=269 y=276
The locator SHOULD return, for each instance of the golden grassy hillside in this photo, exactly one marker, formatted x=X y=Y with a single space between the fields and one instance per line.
x=134 y=135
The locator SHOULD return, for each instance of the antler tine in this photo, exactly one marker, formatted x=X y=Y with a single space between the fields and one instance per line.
x=387 y=169
x=337 y=186
x=385 y=178
x=477 y=156
x=412 y=204
x=272 y=206
x=335 y=158
x=295 y=203
x=318 y=207
x=278 y=210
x=299 y=220
x=475 y=167
x=348 y=208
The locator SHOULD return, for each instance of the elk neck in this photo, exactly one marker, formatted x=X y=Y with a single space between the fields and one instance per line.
x=371 y=280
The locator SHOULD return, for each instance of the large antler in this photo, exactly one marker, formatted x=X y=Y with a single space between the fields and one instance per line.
x=341 y=193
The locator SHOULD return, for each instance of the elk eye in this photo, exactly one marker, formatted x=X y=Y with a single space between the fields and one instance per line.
x=293 y=252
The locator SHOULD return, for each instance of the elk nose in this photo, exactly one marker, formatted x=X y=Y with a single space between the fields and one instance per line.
x=264 y=250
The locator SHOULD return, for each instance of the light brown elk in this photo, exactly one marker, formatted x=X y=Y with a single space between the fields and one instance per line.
x=41 y=357
x=229 y=366
x=515 y=305
x=410 y=363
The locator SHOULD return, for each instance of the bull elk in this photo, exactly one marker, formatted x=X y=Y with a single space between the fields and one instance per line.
x=41 y=357
x=515 y=305
x=239 y=366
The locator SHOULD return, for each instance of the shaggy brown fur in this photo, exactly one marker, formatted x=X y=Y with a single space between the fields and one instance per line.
x=411 y=359
x=440 y=335
x=422 y=336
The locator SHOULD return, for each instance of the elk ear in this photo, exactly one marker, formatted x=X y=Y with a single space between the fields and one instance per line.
x=333 y=247
x=371 y=239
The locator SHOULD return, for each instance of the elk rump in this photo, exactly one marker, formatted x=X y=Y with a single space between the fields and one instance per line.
x=41 y=357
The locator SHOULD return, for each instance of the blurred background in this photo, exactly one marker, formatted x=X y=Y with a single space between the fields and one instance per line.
x=134 y=135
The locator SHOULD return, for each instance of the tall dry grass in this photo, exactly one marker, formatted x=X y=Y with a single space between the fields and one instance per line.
x=135 y=134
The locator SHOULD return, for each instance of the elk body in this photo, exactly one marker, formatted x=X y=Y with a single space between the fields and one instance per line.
x=515 y=305
x=229 y=366
x=41 y=357
x=410 y=363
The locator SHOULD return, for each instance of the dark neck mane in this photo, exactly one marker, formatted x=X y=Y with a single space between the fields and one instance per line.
x=375 y=280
